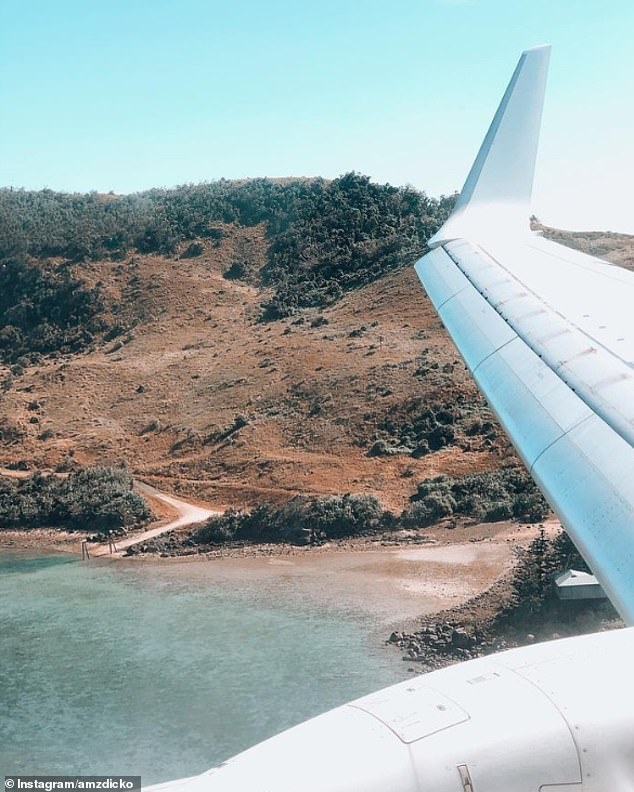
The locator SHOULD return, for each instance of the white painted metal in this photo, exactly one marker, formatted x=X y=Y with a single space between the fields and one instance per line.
x=588 y=684
x=497 y=193
x=579 y=324
x=525 y=720
x=587 y=476
x=572 y=431
x=548 y=336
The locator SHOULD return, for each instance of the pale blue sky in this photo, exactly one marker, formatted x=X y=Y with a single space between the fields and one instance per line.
x=129 y=94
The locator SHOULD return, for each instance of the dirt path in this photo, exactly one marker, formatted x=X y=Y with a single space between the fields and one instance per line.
x=177 y=512
x=183 y=513
x=16 y=474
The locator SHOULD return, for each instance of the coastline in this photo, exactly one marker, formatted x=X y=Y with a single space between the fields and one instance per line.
x=420 y=585
x=436 y=596
x=396 y=582
x=42 y=540
x=169 y=512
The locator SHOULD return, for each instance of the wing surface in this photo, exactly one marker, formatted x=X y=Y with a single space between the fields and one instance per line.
x=547 y=334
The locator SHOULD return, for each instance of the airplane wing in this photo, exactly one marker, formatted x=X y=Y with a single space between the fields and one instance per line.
x=547 y=335
x=544 y=331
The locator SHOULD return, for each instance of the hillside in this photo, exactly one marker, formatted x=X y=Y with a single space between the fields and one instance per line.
x=617 y=248
x=180 y=377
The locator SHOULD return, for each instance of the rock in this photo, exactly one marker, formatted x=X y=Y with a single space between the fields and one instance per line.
x=461 y=639
x=463 y=654
x=395 y=637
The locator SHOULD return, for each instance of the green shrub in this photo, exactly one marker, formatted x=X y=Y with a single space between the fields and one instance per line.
x=428 y=510
x=295 y=521
x=43 y=310
x=237 y=271
x=498 y=495
x=193 y=249
x=89 y=499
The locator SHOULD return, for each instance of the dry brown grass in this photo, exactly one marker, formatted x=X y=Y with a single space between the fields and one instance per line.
x=197 y=358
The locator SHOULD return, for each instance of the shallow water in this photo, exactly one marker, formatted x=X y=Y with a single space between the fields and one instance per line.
x=156 y=670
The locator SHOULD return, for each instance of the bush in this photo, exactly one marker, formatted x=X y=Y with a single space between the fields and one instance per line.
x=237 y=271
x=43 y=310
x=418 y=427
x=428 y=510
x=498 y=495
x=193 y=249
x=297 y=521
x=380 y=448
x=344 y=515
x=95 y=498
x=219 y=529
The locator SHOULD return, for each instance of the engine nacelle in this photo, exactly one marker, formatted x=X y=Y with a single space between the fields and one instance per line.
x=526 y=720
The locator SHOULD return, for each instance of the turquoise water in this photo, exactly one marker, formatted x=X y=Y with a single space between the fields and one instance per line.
x=154 y=670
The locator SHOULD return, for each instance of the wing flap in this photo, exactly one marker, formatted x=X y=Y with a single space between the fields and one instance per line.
x=586 y=476
x=536 y=406
x=444 y=279
x=589 y=362
x=581 y=464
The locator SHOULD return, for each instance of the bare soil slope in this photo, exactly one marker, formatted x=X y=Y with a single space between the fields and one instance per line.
x=200 y=397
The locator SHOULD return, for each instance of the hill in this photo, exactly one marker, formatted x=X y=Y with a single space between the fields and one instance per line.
x=243 y=358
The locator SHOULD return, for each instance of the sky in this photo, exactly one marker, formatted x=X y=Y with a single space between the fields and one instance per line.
x=125 y=95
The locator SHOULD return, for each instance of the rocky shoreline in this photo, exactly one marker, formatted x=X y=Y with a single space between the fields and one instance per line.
x=461 y=633
x=492 y=622
x=174 y=545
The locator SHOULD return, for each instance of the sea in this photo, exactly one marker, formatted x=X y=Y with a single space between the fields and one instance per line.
x=159 y=670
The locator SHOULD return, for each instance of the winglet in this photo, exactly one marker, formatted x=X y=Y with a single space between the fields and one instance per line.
x=495 y=199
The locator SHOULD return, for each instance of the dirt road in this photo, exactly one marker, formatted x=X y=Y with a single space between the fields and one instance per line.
x=185 y=513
